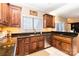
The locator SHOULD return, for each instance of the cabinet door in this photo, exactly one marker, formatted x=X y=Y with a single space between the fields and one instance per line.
x=4 y=13
x=58 y=44
x=33 y=47
x=20 y=46
x=66 y=47
x=48 y=20
x=40 y=45
x=15 y=16
x=26 y=45
x=27 y=40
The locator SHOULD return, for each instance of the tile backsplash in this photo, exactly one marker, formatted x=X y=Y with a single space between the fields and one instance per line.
x=12 y=29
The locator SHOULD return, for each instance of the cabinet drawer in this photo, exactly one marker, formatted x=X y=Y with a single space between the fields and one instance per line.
x=40 y=38
x=33 y=39
x=27 y=40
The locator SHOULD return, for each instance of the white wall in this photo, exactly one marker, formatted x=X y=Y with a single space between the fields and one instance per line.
x=59 y=19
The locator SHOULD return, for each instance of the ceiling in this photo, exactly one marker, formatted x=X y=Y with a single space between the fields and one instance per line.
x=68 y=10
x=46 y=7
x=57 y=9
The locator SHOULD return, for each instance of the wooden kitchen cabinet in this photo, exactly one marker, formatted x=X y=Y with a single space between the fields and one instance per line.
x=20 y=46
x=27 y=45
x=63 y=43
x=37 y=43
x=48 y=20
x=40 y=43
x=10 y=15
x=4 y=14
x=15 y=16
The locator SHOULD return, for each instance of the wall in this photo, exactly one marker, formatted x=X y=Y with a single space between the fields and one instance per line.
x=59 y=19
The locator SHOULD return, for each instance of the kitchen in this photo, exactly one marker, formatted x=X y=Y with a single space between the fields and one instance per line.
x=25 y=29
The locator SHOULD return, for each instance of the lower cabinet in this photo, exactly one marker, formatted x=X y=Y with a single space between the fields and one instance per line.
x=27 y=45
x=62 y=44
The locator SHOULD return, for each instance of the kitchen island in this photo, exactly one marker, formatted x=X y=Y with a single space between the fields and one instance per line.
x=29 y=42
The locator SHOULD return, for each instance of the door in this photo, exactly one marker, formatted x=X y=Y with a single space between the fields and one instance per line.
x=15 y=16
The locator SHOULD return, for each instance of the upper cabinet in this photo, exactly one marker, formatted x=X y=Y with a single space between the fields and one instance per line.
x=15 y=16
x=10 y=15
x=48 y=21
x=4 y=15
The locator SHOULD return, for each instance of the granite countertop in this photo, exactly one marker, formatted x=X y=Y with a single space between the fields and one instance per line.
x=44 y=32
x=73 y=34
